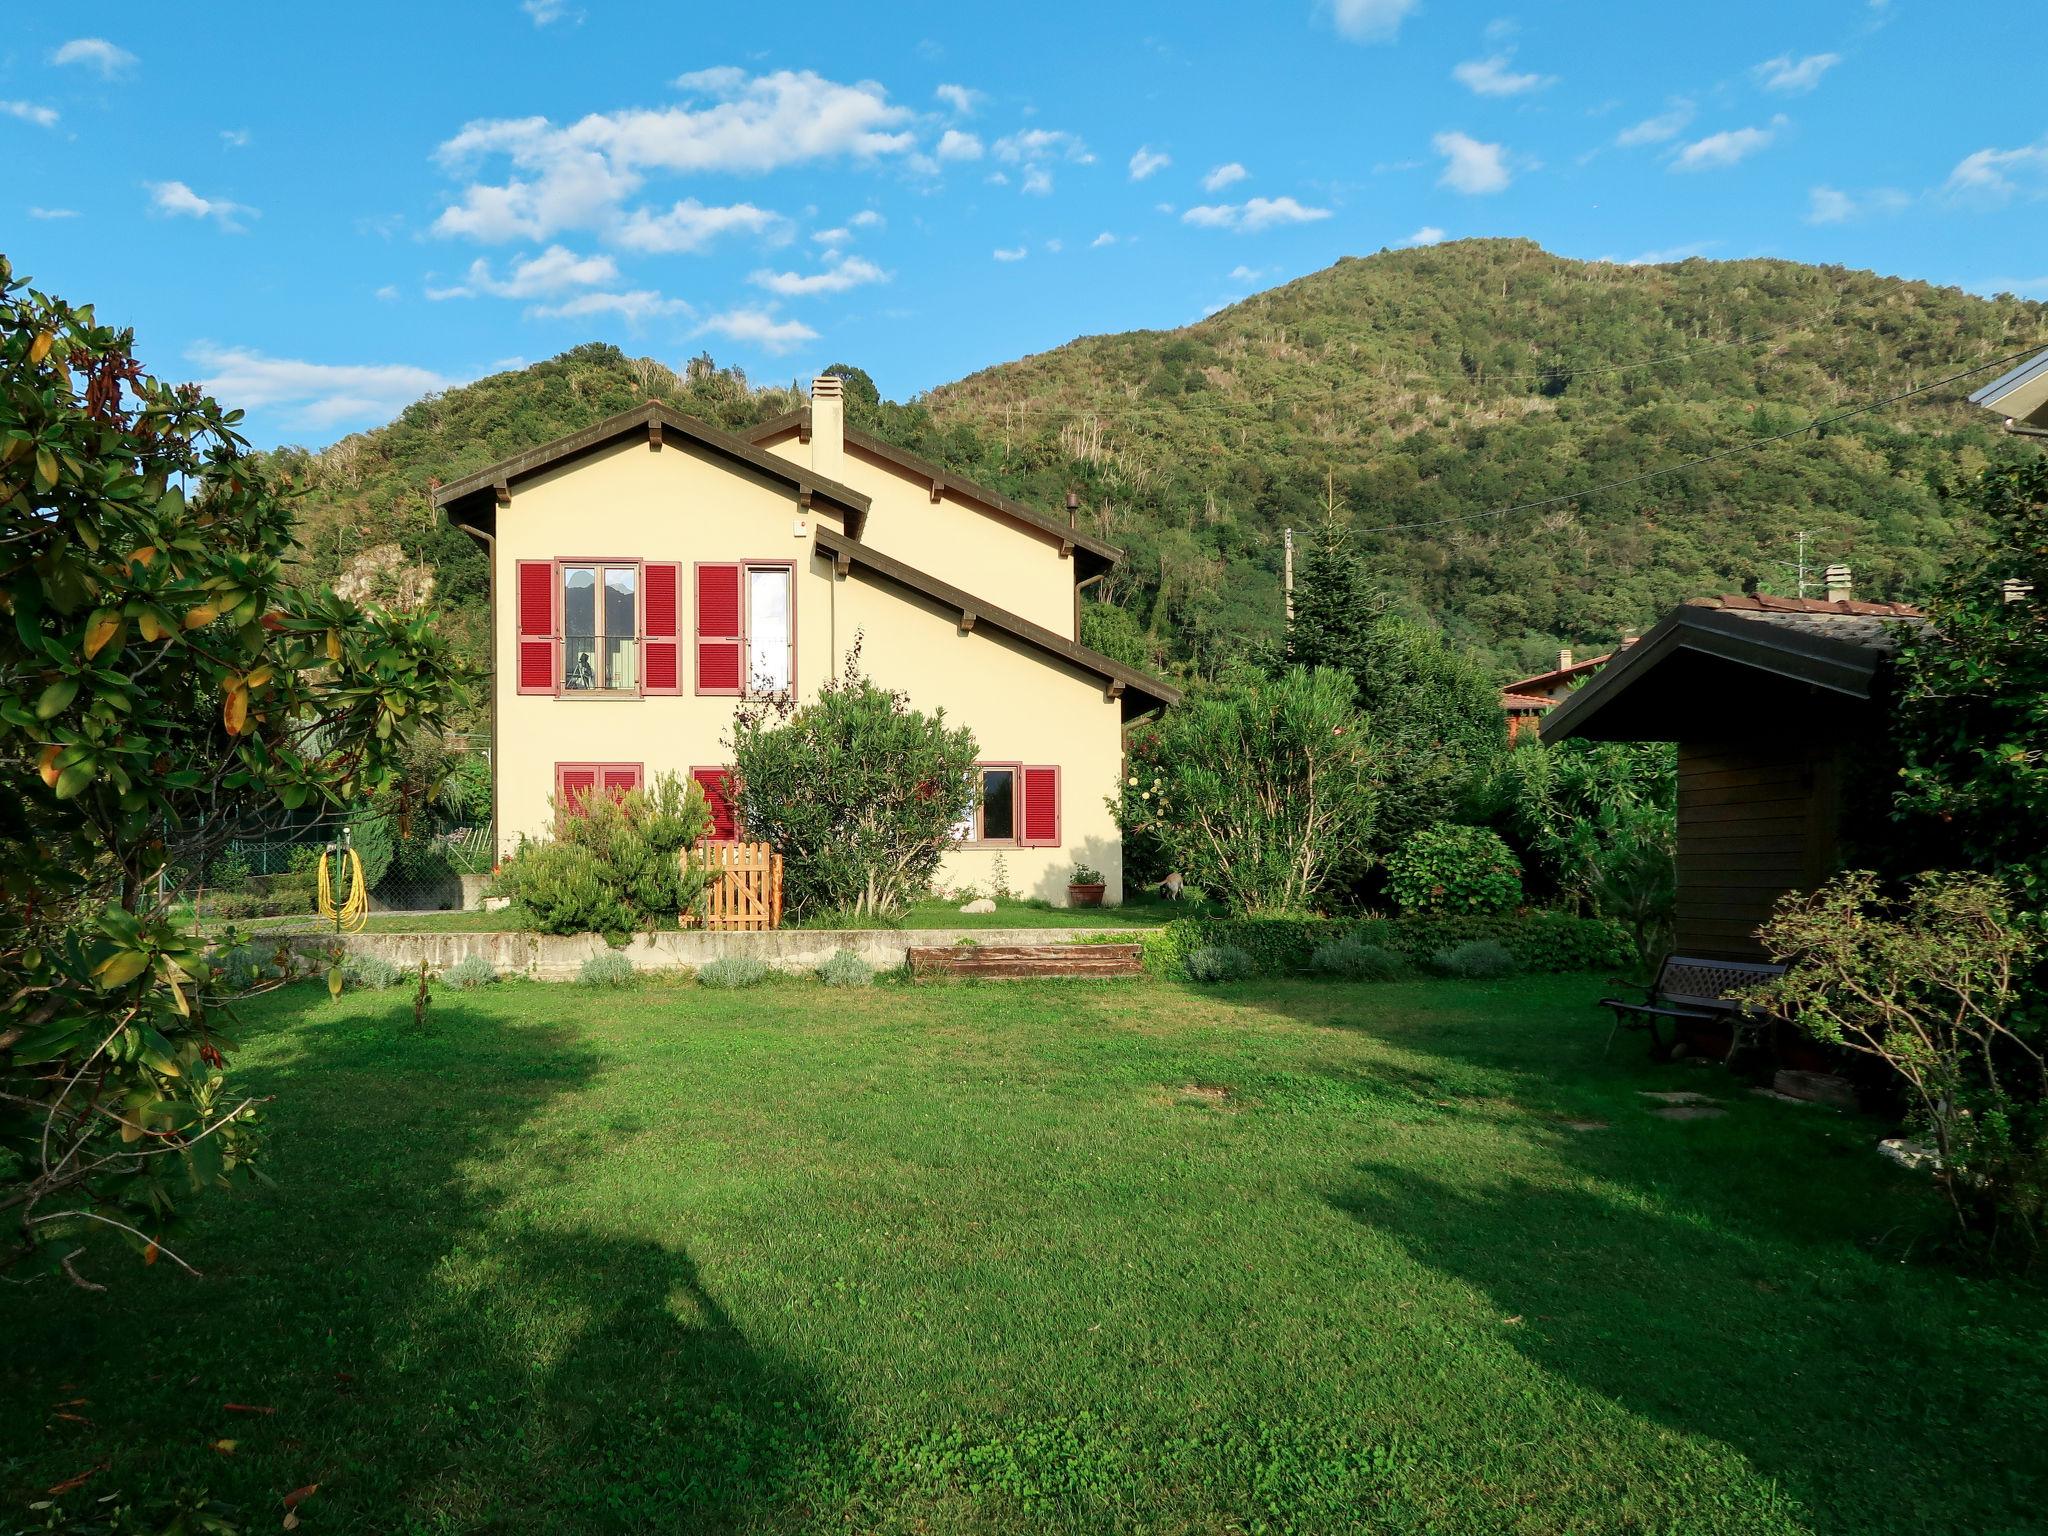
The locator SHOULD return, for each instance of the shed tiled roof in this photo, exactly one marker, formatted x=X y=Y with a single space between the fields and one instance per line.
x=1512 y=702
x=1874 y=626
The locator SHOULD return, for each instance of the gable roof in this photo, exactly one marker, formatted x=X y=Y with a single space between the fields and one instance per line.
x=1138 y=691
x=1099 y=555
x=1556 y=675
x=654 y=422
x=2019 y=394
x=1737 y=665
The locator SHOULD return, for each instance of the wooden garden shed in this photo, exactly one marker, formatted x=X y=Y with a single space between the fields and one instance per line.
x=1771 y=700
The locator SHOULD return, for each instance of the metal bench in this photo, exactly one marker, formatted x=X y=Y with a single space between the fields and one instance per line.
x=1690 y=990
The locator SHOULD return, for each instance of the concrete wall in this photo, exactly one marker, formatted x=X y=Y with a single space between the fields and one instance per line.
x=546 y=957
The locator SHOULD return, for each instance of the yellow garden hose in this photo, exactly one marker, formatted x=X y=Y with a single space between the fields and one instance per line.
x=354 y=912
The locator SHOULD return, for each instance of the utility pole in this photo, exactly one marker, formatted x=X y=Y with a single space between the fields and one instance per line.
x=1287 y=571
x=1799 y=566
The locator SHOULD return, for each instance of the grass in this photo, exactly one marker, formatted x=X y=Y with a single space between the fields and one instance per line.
x=1080 y=1257
x=1139 y=912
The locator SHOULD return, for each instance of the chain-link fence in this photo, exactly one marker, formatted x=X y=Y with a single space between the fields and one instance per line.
x=273 y=880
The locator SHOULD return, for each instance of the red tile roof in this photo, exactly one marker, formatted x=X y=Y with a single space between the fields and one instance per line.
x=1510 y=700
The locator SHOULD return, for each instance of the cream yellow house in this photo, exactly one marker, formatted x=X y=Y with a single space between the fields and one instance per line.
x=651 y=572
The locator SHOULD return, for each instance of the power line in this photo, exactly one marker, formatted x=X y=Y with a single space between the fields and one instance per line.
x=1706 y=458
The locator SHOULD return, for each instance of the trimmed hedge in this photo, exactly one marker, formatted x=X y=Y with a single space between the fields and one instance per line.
x=1539 y=941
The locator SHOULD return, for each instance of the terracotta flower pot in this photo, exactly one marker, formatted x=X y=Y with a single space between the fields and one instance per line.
x=1085 y=895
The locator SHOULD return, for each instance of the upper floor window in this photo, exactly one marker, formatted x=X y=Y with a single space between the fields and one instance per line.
x=600 y=607
x=746 y=627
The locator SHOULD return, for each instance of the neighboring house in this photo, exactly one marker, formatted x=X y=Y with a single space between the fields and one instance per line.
x=1770 y=700
x=651 y=572
x=2020 y=396
x=1529 y=700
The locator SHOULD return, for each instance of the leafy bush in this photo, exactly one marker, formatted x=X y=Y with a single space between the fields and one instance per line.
x=239 y=969
x=729 y=973
x=370 y=833
x=1933 y=985
x=1475 y=960
x=1549 y=942
x=370 y=973
x=1218 y=962
x=611 y=968
x=858 y=790
x=470 y=972
x=1260 y=793
x=1452 y=868
x=846 y=969
x=1352 y=959
x=616 y=863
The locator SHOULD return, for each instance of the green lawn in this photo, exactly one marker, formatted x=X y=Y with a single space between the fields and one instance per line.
x=1071 y=1258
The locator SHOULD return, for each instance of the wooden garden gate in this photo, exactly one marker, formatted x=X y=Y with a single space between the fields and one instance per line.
x=745 y=889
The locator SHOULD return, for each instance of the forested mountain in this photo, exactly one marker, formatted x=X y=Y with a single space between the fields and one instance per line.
x=1406 y=387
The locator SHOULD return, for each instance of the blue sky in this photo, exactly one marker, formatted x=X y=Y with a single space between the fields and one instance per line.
x=325 y=211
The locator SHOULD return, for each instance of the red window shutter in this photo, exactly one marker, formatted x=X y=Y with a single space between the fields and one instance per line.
x=661 y=668
x=617 y=778
x=574 y=783
x=1039 y=825
x=540 y=651
x=718 y=629
x=717 y=786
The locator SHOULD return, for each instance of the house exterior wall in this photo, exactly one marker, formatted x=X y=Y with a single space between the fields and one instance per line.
x=1014 y=565
x=632 y=503
x=1754 y=822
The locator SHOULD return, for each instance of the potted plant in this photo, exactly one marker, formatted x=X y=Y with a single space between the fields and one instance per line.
x=1085 y=889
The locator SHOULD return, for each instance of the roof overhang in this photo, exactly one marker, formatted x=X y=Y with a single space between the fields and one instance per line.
x=2019 y=395
x=1138 y=692
x=1091 y=555
x=472 y=500
x=1707 y=674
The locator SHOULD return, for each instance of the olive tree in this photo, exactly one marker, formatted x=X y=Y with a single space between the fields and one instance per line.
x=159 y=675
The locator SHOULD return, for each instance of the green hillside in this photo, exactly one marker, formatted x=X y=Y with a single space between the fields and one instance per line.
x=1416 y=385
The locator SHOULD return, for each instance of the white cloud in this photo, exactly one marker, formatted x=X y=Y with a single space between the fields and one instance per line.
x=1244 y=274
x=1668 y=124
x=1831 y=205
x=1671 y=254
x=317 y=394
x=53 y=213
x=836 y=236
x=1037 y=181
x=1010 y=253
x=634 y=307
x=176 y=200
x=388 y=293
x=1492 y=77
x=959 y=98
x=1034 y=144
x=1997 y=175
x=30 y=112
x=1223 y=176
x=690 y=226
x=1105 y=238
x=761 y=328
x=579 y=175
x=1470 y=166
x=1794 y=76
x=1429 y=234
x=996 y=179
x=955 y=145
x=1731 y=146
x=547 y=12
x=95 y=53
x=867 y=218
x=1253 y=215
x=234 y=138
x=1367 y=21
x=1147 y=160
x=554 y=270
x=853 y=272
x=1055 y=245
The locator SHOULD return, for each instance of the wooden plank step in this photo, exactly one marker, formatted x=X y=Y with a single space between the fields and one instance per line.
x=1025 y=960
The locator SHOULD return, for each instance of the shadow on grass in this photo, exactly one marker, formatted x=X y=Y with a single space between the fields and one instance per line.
x=433 y=1360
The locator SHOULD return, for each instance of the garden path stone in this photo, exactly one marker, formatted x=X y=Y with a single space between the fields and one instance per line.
x=1679 y=1098
x=1689 y=1112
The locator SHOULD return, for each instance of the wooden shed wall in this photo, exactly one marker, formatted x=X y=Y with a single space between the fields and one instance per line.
x=1753 y=823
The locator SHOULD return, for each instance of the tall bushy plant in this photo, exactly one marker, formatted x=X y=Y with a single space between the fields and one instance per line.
x=1451 y=868
x=1930 y=985
x=616 y=864
x=162 y=686
x=858 y=790
x=1260 y=793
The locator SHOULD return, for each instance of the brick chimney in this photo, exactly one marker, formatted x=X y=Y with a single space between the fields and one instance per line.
x=828 y=427
x=1836 y=578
